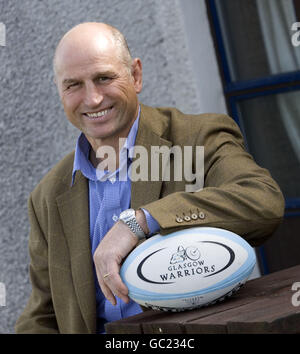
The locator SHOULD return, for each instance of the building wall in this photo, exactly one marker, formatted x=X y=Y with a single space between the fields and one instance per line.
x=179 y=70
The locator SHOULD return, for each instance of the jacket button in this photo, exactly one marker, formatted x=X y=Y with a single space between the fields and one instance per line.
x=201 y=215
x=178 y=219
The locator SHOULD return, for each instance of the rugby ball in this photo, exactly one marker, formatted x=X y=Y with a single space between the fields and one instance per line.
x=187 y=269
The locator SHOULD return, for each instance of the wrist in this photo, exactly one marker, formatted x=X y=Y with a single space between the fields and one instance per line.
x=134 y=220
x=142 y=221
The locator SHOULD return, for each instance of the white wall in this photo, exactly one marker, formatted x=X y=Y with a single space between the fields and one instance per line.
x=202 y=56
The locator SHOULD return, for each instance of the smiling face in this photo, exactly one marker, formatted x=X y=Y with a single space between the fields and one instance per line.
x=97 y=89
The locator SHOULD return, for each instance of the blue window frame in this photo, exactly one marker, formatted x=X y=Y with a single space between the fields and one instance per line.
x=237 y=91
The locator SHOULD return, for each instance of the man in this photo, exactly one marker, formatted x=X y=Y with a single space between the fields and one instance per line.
x=79 y=232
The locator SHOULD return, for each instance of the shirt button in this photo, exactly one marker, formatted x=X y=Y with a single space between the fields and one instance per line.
x=112 y=179
x=115 y=218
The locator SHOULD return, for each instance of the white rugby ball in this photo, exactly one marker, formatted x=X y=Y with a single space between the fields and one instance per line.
x=187 y=269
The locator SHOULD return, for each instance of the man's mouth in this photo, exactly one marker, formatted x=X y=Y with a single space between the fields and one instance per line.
x=98 y=114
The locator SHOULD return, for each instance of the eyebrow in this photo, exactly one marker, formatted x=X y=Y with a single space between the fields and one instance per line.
x=95 y=76
x=69 y=81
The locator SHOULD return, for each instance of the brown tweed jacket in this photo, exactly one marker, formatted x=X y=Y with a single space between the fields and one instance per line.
x=238 y=195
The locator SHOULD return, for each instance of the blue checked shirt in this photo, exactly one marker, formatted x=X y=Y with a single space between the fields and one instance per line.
x=108 y=197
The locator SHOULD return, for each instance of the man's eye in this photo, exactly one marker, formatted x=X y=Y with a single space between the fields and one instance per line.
x=104 y=78
x=73 y=85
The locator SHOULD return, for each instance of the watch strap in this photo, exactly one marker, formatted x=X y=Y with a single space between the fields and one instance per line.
x=131 y=222
x=136 y=228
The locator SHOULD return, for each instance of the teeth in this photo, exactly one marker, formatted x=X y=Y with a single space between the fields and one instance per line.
x=98 y=114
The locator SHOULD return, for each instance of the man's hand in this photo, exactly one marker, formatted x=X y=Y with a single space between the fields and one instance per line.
x=114 y=247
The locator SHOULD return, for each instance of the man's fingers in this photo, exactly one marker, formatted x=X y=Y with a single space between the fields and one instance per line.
x=114 y=247
x=111 y=285
x=105 y=289
x=117 y=287
x=108 y=294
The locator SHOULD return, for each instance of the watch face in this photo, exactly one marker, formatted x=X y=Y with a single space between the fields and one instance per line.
x=127 y=213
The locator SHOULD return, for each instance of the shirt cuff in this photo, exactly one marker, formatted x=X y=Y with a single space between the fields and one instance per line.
x=153 y=225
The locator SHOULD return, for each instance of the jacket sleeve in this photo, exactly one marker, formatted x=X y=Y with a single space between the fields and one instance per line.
x=238 y=195
x=38 y=315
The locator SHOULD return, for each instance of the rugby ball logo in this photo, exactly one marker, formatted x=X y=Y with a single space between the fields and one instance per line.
x=187 y=262
x=188 y=268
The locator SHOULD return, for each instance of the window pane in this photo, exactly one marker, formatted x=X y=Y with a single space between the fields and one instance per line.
x=272 y=128
x=257 y=36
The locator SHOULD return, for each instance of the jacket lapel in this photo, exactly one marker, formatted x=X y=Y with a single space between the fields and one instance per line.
x=143 y=192
x=74 y=211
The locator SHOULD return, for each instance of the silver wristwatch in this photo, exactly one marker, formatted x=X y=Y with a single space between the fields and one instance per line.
x=128 y=217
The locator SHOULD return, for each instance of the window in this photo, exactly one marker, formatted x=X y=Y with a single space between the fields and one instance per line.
x=261 y=80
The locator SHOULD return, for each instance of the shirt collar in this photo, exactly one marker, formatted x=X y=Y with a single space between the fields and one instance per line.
x=82 y=151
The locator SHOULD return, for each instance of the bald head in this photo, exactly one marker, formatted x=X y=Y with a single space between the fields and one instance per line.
x=91 y=34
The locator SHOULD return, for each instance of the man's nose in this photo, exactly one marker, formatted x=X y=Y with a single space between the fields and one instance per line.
x=93 y=96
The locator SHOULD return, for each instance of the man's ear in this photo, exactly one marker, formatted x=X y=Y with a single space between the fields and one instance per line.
x=137 y=74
